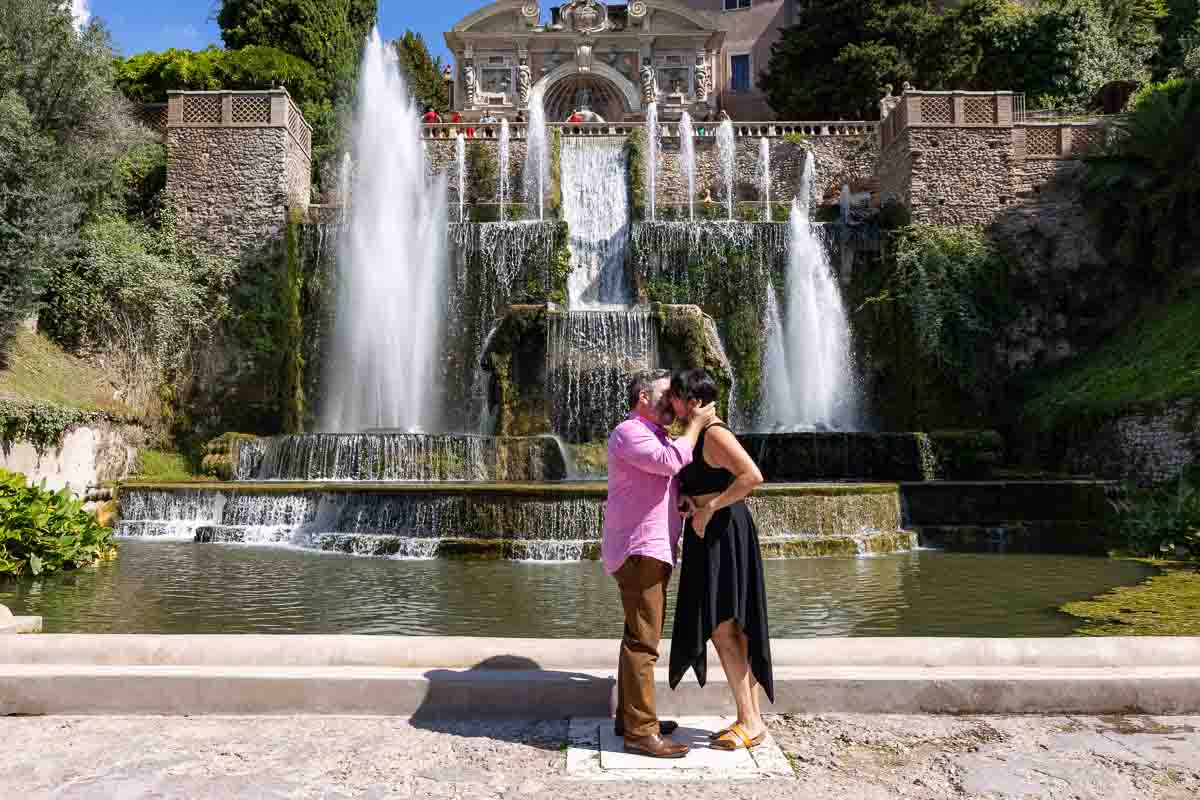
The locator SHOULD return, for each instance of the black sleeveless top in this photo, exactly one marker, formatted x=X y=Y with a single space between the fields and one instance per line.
x=698 y=477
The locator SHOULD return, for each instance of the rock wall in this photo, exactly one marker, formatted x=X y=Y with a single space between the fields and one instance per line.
x=1147 y=446
x=959 y=176
x=229 y=186
x=87 y=457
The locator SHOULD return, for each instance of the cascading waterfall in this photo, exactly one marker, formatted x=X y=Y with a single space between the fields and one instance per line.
x=383 y=362
x=809 y=364
x=764 y=177
x=687 y=158
x=505 y=177
x=460 y=154
x=727 y=161
x=652 y=159
x=590 y=356
x=402 y=457
x=537 y=156
x=596 y=208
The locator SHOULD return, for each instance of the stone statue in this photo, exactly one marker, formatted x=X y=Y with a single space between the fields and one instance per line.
x=524 y=82
x=469 y=84
x=649 y=84
x=701 y=77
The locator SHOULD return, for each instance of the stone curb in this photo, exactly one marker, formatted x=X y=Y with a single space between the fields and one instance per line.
x=12 y=625
x=495 y=653
x=541 y=694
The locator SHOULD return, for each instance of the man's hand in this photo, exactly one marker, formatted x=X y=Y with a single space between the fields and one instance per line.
x=687 y=506
x=702 y=417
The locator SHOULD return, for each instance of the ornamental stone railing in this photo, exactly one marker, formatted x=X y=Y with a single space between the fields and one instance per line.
x=272 y=108
x=667 y=130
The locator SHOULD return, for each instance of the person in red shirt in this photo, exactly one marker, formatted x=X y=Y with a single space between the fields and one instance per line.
x=431 y=117
x=575 y=119
x=456 y=118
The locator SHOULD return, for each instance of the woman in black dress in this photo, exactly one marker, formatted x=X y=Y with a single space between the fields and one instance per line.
x=721 y=592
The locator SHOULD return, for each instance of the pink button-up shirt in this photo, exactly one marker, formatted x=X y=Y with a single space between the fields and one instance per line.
x=641 y=517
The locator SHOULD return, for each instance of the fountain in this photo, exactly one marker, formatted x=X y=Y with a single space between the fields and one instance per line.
x=596 y=209
x=652 y=159
x=505 y=176
x=537 y=156
x=460 y=155
x=687 y=159
x=345 y=188
x=764 y=177
x=809 y=365
x=391 y=282
x=727 y=162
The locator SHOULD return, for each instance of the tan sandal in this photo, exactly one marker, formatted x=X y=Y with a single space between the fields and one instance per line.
x=712 y=737
x=729 y=743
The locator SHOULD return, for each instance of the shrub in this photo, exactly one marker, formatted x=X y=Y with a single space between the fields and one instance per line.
x=44 y=532
x=950 y=283
x=1162 y=523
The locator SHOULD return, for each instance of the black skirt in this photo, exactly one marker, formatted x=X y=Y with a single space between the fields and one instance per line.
x=721 y=578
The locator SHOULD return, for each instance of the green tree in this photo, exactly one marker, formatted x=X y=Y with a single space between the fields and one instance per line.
x=1146 y=185
x=1176 y=30
x=147 y=77
x=63 y=126
x=422 y=71
x=329 y=34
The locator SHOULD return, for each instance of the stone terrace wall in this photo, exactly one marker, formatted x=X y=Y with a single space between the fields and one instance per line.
x=1147 y=446
x=236 y=161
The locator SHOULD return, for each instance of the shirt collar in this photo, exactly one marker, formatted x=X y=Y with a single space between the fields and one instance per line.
x=654 y=426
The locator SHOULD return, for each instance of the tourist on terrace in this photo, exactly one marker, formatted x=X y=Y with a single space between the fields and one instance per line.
x=640 y=543
x=721 y=590
x=431 y=117
x=576 y=118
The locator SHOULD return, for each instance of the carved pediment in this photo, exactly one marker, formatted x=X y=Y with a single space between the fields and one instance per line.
x=584 y=16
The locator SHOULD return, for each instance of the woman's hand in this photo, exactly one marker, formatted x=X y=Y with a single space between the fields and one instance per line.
x=701 y=516
x=687 y=506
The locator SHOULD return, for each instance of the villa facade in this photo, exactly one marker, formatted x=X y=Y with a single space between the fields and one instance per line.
x=702 y=56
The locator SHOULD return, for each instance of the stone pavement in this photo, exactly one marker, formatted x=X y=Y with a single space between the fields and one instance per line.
x=841 y=756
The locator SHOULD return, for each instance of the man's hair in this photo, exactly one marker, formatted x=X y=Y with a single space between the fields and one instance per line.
x=644 y=382
x=694 y=384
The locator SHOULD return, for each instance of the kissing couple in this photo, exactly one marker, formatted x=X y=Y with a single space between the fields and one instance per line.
x=662 y=490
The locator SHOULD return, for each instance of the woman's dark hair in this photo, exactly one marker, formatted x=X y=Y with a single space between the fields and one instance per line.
x=694 y=384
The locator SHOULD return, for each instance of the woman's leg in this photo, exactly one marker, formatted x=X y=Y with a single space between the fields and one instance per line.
x=733 y=649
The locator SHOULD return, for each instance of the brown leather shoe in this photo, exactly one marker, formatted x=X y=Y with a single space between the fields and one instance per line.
x=665 y=726
x=656 y=747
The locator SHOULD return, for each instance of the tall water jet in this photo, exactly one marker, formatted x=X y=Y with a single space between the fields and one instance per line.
x=809 y=365
x=764 y=177
x=537 y=156
x=383 y=361
x=505 y=155
x=727 y=164
x=687 y=158
x=596 y=209
x=460 y=153
x=652 y=158
x=345 y=187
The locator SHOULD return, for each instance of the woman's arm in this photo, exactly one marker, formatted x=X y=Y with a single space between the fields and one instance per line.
x=722 y=449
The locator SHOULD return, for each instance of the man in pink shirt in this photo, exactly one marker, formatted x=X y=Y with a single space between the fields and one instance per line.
x=642 y=527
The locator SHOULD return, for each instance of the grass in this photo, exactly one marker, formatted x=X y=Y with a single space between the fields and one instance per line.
x=159 y=465
x=1164 y=605
x=41 y=372
x=1156 y=359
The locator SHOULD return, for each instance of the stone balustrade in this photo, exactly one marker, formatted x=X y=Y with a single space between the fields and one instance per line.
x=272 y=108
x=667 y=130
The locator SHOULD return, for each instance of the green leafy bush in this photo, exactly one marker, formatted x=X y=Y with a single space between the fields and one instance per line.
x=1163 y=523
x=950 y=281
x=43 y=532
x=1145 y=186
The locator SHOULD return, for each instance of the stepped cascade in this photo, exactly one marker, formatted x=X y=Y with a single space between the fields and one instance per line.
x=596 y=210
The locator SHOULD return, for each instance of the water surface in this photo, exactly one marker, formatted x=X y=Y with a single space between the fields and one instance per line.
x=180 y=587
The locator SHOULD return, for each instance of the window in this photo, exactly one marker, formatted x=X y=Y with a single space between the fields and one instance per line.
x=734 y=5
x=739 y=68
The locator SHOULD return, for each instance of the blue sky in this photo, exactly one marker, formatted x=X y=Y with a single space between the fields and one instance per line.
x=139 y=25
